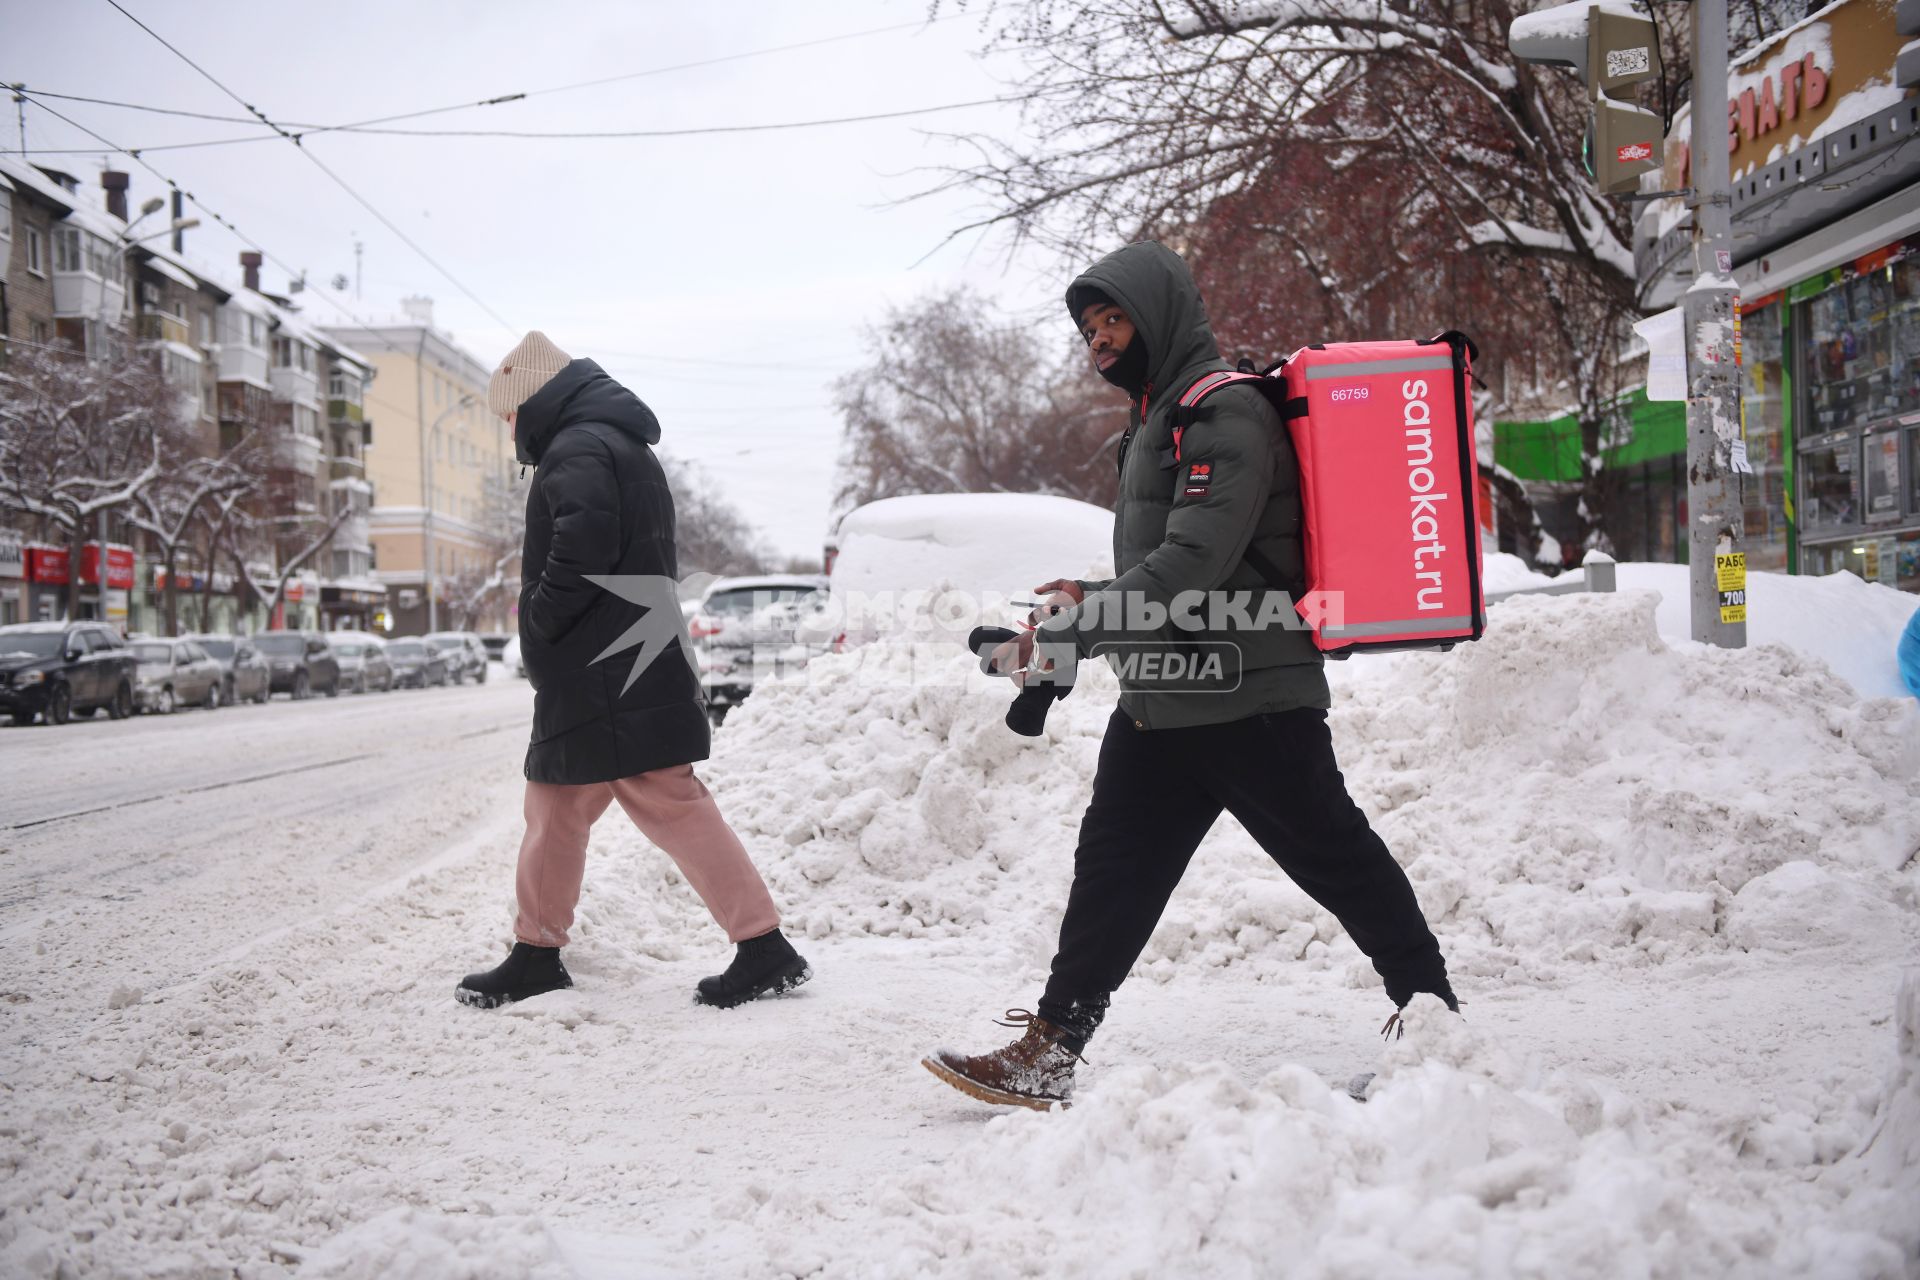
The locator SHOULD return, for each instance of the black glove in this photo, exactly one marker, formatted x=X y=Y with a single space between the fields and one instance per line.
x=1028 y=714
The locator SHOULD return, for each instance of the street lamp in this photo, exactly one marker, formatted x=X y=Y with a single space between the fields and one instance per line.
x=426 y=462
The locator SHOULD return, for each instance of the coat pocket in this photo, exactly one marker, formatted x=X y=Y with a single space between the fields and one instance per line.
x=568 y=700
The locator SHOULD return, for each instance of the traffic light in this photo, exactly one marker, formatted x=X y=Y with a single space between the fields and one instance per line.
x=1609 y=47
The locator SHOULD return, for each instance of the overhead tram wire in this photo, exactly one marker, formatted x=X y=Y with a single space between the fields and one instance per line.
x=342 y=183
x=359 y=321
x=602 y=135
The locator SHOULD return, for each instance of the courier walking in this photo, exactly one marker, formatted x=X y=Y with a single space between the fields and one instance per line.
x=1211 y=506
x=609 y=726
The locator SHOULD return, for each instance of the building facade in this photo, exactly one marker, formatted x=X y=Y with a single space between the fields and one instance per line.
x=84 y=277
x=1826 y=233
x=440 y=466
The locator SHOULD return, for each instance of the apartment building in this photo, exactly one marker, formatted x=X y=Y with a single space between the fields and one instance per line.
x=439 y=466
x=83 y=275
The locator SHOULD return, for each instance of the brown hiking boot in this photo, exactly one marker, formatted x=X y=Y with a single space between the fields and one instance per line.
x=1034 y=1071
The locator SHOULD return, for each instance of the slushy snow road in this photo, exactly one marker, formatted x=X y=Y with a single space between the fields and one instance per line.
x=1676 y=887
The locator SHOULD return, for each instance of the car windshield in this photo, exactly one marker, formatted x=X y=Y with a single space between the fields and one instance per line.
x=31 y=644
x=222 y=649
x=746 y=600
x=405 y=649
x=448 y=642
x=153 y=653
x=286 y=644
x=349 y=650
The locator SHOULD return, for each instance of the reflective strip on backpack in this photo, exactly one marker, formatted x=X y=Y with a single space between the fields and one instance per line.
x=1361 y=368
x=1398 y=626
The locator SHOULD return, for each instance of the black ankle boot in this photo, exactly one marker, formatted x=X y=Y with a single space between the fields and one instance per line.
x=763 y=966
x=526 y=972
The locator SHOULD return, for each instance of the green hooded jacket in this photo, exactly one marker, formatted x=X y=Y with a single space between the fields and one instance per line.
x=1183 y=525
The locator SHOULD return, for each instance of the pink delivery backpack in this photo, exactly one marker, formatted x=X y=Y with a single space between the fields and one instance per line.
x=1389 y=488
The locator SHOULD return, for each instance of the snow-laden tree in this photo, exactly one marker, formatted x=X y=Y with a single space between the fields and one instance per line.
x=472 y=592
x=955 y=397
x=81 y=439
x=1335 y=169
x=173 y=511
x=710 y=535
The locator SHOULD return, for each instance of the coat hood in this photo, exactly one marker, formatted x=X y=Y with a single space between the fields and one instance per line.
x=1152 y=284
x=581 y=392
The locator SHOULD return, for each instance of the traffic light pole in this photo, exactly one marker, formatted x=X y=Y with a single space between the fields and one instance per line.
x=1716 y=451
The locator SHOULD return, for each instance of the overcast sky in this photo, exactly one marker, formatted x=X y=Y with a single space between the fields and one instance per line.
x=725 y=278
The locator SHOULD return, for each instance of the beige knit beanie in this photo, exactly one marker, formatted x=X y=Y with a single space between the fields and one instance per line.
x=525 y=370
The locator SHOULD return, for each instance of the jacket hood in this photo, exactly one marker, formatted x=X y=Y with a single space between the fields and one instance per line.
x=1152 y=284
x=581 y=392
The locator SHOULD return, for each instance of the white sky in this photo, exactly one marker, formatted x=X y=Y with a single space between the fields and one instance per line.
x=652 y=256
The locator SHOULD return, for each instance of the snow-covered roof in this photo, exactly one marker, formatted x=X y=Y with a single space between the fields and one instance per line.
x=179 y=275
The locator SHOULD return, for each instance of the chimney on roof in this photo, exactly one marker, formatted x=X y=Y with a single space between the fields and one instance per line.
x=116 y=184
x=419 y=310
x=250 y=262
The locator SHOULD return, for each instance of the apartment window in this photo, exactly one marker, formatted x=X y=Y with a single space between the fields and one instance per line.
x=207 y=405
x=6 y=215
x=67 y=253
x=36 y=254
x=37 y=329
x=254 y=335
x=206 y=329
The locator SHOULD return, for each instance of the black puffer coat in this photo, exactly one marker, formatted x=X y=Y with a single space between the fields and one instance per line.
x=600 y=506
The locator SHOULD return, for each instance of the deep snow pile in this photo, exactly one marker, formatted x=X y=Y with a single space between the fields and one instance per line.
x=1568 y=788
x=1570 y=795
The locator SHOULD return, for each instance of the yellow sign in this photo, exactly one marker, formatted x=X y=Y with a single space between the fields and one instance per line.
x=1730 y=577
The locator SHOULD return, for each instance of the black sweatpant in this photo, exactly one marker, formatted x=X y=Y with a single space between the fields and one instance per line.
x=1156 y=794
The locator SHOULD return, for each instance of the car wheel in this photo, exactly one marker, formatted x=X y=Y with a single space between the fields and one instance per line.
x=23 y=718
x=59 y=705
x=333 y=690
x=166 y=703
x=122 y=705
x=226 y=691
x=300 y=688
x=482 y=677
x=213 y=699
x=360 y=685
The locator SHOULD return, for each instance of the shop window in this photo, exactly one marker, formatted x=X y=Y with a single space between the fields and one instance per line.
x=1763 y=494
x=1830 y=485
x=1882 y=476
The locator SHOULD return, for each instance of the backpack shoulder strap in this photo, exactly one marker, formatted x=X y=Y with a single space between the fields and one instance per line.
x=1188 y=406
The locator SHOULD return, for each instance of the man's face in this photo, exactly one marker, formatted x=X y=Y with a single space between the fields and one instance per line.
x=1107 y=331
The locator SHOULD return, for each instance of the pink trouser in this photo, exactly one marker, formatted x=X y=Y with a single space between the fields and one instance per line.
x=673 y=809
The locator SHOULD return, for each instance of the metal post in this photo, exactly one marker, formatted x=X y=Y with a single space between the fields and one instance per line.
x=1716 y=451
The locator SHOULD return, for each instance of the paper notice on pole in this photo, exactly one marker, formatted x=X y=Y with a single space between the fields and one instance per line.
x=1730 y=578
x=1738 y=459
x=1665 y=336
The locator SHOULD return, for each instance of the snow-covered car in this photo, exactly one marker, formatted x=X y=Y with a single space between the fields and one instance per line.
x=363 y=661
x=748 y=628
x=174 y=673
x=416 y=664
x=465 y=654
x=56 y=670
x=247 y=676
x=898 y=557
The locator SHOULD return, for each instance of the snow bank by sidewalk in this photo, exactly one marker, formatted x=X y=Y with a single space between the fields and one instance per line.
x=1570 y=794
x=1568 y=788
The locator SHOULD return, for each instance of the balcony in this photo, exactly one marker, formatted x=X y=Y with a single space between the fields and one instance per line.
x=296 y=386
x=243 y=364
x=341 y=409
x=157 y=326
x=347 y=467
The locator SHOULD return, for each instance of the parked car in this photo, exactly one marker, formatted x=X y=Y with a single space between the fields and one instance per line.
x=466 y=656
x=496 y=643
x=747 y=626
x=363 y=661
x=245 y=674
x=510 y=658
x=301 y=663
x=416 y=664
x=57 y=670
x=173 y=674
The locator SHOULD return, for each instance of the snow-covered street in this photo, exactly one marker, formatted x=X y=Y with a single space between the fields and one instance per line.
x=1675 y=887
